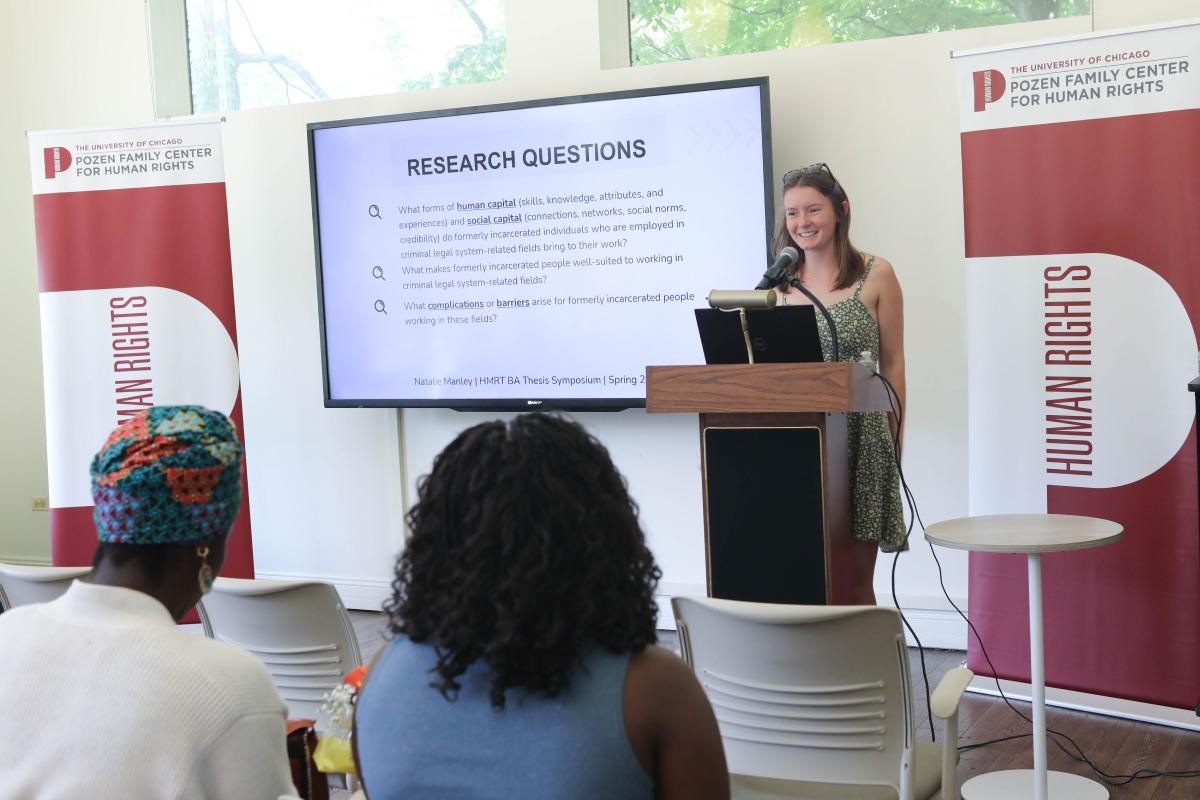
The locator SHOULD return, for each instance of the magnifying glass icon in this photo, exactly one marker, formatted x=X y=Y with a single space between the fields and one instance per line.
x=373 y=210
x=380 y=307
x=378 y=273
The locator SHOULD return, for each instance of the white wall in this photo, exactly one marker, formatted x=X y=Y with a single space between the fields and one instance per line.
x=63 y=64
x=327 y=486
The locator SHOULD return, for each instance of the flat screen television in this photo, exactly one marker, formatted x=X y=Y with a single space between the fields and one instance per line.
x=536 y=254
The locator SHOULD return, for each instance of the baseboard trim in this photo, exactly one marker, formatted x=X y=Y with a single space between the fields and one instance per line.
x=25 y=561
x=1092 y=703
x=936 y=627
x=360 y=594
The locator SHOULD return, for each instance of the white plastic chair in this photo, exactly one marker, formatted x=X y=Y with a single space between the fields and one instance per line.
x=299 y=630
x=21 y=585
x=815 y=701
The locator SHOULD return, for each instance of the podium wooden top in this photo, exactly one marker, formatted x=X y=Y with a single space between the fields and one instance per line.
x=763 y=388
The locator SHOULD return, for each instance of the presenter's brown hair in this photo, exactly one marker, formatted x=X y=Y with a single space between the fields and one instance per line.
x=851 y=263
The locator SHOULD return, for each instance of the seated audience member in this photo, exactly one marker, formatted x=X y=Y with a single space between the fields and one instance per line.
x=101 y=695
x=523 y=662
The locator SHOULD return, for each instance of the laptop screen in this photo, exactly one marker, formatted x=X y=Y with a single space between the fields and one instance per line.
x=777 y=335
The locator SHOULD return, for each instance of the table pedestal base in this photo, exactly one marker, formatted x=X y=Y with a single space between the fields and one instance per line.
x=1011 y=784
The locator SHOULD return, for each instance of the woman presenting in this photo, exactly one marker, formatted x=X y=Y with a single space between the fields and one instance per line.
x=867 y=306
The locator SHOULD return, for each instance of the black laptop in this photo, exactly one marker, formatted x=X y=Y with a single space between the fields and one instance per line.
x=784 y=334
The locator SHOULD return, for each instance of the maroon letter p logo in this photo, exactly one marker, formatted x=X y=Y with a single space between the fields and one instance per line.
x=989 y=87
x=56 y=159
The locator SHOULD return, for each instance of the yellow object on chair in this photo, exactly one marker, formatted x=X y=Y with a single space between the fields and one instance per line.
x=333 y=754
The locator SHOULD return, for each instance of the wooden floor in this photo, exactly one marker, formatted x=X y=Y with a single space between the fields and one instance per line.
x=1117 y=746
x=369 y=628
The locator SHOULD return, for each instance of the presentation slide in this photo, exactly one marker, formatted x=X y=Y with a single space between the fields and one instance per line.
x=534 y=255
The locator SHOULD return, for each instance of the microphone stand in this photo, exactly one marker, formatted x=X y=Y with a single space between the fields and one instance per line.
x=795 y=284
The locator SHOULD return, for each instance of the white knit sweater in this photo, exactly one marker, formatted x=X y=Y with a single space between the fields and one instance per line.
x=101 y=696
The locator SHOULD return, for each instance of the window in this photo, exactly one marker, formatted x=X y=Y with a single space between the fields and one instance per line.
x=250 y=53
x=678 y=30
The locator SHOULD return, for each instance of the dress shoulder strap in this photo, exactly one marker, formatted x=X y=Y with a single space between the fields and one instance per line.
x=863 y=279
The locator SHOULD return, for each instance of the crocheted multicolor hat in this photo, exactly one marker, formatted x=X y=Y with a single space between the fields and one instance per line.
x=169 y=474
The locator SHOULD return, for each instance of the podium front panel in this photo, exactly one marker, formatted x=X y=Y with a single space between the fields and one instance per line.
x=766 y=520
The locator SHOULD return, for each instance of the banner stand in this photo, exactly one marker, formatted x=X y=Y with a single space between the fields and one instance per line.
x=1079 y=165
x=136 y=297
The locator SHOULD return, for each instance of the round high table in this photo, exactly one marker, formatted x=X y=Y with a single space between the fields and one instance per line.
x=1031 y=534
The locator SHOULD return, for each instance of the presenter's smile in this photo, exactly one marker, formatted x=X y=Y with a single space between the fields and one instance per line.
x=812 y=237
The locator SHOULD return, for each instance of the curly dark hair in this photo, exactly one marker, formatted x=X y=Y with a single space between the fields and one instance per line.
x=525 y=549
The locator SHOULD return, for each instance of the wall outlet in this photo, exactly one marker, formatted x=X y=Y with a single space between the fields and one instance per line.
x=41 y=504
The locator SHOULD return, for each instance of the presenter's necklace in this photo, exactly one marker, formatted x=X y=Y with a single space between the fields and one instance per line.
x=787 y=296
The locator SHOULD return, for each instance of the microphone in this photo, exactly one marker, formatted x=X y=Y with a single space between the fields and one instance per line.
x=777 y=272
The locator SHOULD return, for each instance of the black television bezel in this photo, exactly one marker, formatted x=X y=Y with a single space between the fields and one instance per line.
x=530 y=403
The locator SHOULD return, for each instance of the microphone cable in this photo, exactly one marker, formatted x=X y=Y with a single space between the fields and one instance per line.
x=1053 y=735
x=819 y=306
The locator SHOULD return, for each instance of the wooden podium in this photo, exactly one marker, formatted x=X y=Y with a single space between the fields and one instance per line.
x=774 y=465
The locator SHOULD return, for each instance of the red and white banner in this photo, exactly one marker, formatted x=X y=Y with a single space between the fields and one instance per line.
x=136 y=300
x=1081 y=186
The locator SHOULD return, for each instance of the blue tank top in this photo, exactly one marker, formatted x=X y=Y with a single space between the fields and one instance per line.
x=413 y=742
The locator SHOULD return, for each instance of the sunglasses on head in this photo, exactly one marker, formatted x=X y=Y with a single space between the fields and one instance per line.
x=791 y=176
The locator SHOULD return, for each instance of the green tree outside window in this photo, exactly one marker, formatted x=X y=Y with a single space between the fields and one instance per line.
x=250 y=53
x=678 y=30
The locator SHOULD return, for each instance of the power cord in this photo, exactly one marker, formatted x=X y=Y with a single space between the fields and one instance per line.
x=898 y=410
x=1109 y=778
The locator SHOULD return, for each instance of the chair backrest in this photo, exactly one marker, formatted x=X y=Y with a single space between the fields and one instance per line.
x=21 y=585
x=808 y=693
x=299 y=630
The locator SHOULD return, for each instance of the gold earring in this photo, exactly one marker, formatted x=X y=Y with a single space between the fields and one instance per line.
x=205 y=576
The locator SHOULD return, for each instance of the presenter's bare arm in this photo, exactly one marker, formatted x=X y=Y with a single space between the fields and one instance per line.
x=889 y=312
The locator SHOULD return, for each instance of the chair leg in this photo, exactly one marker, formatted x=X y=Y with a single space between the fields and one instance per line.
x=950 y=759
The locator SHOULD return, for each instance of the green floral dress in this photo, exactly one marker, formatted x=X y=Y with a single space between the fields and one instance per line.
x=874 y=479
